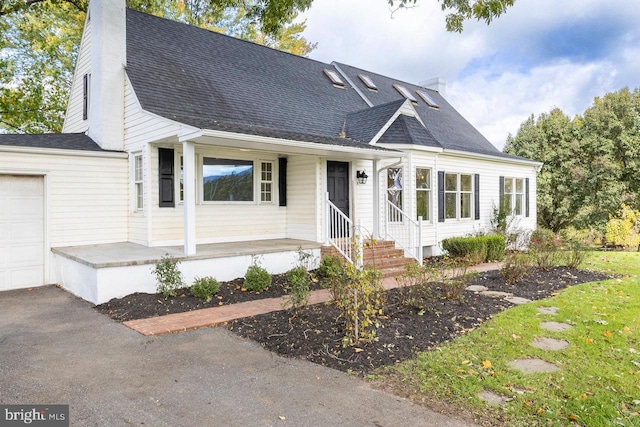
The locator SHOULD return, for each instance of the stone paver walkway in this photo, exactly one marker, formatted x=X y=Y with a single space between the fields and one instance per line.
x=180 y=322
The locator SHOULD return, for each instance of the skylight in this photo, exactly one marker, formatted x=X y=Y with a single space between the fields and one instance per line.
x=367 y=81
x=428 y=99
x=405 y=92
x=334 y=77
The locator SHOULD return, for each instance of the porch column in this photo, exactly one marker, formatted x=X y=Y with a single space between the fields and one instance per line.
x=376 y=199
x=189 y=166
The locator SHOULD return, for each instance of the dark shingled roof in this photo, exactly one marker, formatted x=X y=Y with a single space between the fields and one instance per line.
x=212 y=81
x=446 y=125
x=363 y=125
x=62 y=141
x=408 y=130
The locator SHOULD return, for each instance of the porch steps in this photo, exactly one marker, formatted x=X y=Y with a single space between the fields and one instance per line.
x=382 y=255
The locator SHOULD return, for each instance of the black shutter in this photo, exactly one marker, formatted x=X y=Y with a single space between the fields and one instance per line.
x=440 y=196
x=526 y=197
x=282 y=181
x=476 y=195
x=166 y=177
x=85 y=96
x=501 y=201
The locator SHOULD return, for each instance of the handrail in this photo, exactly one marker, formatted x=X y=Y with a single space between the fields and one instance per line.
x=404 y=230
x=338 y=230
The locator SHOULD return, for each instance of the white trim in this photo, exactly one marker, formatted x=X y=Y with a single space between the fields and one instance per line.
x=271 y=181
x=300 y=147
x=63 y=152
x=457 y=153
x=408 y=110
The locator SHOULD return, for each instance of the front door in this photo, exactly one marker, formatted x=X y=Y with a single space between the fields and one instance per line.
x=338 y=188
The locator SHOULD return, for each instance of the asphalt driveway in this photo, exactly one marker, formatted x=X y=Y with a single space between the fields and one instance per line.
x=54 y=348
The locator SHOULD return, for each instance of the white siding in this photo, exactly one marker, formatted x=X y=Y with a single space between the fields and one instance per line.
x=363 y=195
x=141 y=127
x=87 y=196
x=218 y=222
x=304 y=189
x=73 y=122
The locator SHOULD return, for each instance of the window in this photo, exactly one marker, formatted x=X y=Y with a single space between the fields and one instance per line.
x=266 y=182
x=368 y=82
x=458 y=194
x=394 y=192
x=514 y=195
x=334 y=77
x=227 y=180
x=86 y=82
x=138 y=179
x=405 y=92
x=428 y=99
x=423 y=193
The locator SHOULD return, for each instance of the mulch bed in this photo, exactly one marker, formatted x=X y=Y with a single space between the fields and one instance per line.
x=315 y=333
x=142 y=306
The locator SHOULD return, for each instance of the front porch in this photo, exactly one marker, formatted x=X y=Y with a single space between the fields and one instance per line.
x=99 y=273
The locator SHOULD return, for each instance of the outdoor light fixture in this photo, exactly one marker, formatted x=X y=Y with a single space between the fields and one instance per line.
x=362 y=176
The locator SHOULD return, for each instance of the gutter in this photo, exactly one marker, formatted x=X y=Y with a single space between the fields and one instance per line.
x=63 y=152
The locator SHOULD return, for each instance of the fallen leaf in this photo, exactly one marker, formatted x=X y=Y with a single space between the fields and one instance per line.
x=486 y=364
x=573 y=417
x=515 y=337
x=589 y=341
x=632 y=350
x=465 y=362
x=357 y=350
x=607 y=334
x=627 y=329
x=281 y=417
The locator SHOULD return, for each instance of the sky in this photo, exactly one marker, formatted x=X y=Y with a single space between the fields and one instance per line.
x=540 y=55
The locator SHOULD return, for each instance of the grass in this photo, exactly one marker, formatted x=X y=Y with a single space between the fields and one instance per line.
x=598 y=383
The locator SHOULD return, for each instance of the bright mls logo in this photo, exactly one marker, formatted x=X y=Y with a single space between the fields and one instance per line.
x=34 y=415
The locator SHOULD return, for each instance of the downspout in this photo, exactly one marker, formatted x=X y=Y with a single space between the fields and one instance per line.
x=434 y=215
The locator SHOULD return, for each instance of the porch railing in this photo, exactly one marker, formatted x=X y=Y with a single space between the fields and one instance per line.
x=404 y=230
x=342 y=234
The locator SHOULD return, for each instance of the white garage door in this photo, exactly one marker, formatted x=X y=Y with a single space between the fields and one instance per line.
x=21 y=231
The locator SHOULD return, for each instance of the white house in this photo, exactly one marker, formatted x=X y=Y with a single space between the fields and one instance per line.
x=215 y=150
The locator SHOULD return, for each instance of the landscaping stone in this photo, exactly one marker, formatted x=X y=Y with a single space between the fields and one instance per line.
x=548 y=310
x=517 y=300
x=550 y=344
x=533 y=366
x=476 y=288
x=555 y=326
x=496 y=294
x=493 y=399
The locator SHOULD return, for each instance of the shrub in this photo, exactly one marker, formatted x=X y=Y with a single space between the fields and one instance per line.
x=506 y=225
x=332 y=269
x=476 y=249
x=545 y=248
x=625 y=230
x=257 y=279
x=415 y=285
x=361 y=302
x=515 y=267
x=456 y=277
x=574 y=254
x=298 y=287
x=168 y=276
x=204 y=288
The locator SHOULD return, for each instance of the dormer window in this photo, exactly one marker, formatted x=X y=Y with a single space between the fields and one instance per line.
x=405 y=92
x=368 y=82
x=334 y=77
x=428 y=99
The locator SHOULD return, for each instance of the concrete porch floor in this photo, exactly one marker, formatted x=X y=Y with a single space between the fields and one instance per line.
x=126 y=254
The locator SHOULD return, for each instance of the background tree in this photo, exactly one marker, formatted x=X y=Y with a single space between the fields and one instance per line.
x=40 y=41
x=591 y=163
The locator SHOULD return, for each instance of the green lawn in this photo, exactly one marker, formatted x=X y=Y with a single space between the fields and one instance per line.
x=599 y=380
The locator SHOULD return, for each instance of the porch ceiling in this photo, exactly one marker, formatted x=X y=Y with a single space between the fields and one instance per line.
x=125 y=254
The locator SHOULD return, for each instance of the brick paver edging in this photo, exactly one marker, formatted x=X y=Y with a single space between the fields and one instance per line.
x=179 y=322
